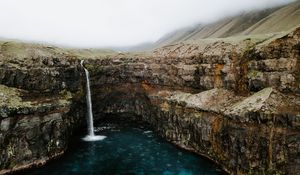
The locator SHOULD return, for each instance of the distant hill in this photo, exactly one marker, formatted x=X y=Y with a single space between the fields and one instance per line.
x=251 y=23
x=17 y=49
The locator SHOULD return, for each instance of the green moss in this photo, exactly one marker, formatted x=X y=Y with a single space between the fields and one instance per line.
x=198 y=114
x=10 y=151
x=12 y=164
x=249 y=47
x=10 y=97
x=275 y=172
x=254 y=74
x=250 y=172
x=65 y=94
x=64 y=97
x=91 y=68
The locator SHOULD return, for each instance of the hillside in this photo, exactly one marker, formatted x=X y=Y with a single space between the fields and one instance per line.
x=15 y=49
x=251 y=23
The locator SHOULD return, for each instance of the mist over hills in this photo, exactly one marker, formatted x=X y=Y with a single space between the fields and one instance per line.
x=265 y=21
x=60 y=33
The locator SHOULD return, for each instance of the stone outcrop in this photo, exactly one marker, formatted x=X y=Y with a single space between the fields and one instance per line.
x=242 y=134
x=33 y=129
x=235 y=100
x=38 y=106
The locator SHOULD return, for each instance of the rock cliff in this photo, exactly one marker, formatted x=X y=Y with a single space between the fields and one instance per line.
x=33 y=130
x=38 y=110
x=234 y=100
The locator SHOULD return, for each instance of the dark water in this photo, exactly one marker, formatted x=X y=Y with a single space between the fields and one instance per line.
x=127 y=150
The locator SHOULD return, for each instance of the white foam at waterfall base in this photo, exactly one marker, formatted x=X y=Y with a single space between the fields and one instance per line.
x=89 y=138
x=91 y=135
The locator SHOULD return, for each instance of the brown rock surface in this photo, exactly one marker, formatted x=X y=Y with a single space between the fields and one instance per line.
x=234 y=100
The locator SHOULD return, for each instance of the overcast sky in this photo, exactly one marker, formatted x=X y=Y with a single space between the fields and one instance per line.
x=100 y=23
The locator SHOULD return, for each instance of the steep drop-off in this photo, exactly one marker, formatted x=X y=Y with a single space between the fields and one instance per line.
x=234 y=100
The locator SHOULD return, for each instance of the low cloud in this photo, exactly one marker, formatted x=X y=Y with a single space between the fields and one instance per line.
x=101 y=23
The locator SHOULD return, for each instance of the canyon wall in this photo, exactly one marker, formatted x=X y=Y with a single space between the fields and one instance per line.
x=235 y=101
x=38 y=109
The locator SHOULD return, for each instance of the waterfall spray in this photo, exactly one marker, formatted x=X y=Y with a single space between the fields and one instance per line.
x=91 y=135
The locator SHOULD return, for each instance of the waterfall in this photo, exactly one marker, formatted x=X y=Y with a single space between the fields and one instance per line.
x=91 y=135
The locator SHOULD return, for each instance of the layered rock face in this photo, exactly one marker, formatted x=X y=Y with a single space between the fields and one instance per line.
x=38 y=106
x=32 y=131
x=235 y=100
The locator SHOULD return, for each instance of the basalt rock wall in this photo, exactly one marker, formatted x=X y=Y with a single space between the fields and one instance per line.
x=235 y=101
x=39 y=99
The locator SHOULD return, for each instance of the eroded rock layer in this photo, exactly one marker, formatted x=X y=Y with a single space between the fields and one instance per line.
x=235 y=101
x=33 y=129
x=38 y=108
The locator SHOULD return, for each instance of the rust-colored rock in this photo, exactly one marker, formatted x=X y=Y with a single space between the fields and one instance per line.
x=235 y=100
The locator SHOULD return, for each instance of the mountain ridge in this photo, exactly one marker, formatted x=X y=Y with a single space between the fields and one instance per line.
x=265 y=21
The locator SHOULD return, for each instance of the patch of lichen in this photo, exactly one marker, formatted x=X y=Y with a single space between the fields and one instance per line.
x=11 y=98
x=93 y=67
x=254 y=74
x=65 y=97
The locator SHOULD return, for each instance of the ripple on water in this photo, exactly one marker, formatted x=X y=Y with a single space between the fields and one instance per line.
x=127 y=150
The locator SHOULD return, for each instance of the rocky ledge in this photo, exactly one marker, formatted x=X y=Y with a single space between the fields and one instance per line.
x=34 y=128
x=233 y=100
x=243 y=134
x=246 y=134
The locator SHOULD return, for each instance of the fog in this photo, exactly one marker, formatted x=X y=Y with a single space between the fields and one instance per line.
x=102 y=23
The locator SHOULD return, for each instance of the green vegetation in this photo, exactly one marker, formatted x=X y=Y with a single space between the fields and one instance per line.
x=12 y=99
x=20 y=50
x=254 y=74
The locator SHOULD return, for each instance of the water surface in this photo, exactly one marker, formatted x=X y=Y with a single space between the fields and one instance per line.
x=127 y=150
